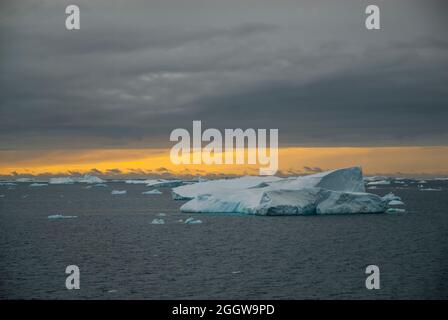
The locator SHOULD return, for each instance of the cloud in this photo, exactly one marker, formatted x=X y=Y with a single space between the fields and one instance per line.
x=136 y=71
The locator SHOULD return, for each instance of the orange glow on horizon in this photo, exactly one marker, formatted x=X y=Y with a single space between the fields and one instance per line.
x=387 y=160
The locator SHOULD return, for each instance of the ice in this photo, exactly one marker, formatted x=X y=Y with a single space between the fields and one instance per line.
x=60 y=216
x=430 y=189
x=155 y=191
x=61 y=180
x=379 y=183
x=390 y=197
x=351 y=202
x=38 y=185
x=3 y=183
x=189 y=191
x=422 y=181
x=159 y=183
x=161 y=214
x=192 y=221
x=158 y=221
x=70 y=180
x=331 y=192
x=118 y=192
x=2 y=195
x=24 y=180
x=396 y=203
x=395 y=210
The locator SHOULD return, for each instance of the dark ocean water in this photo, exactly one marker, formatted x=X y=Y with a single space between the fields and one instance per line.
x=121 y=255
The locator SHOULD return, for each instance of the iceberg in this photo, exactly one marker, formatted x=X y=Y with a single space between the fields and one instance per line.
x=395 y=210
x=38 y=185
x=158 y=221
x=24 y=180
x=379 y=183
x=118 y=192
x=390 y=197
x=70 y=180
x=60 y=216
x=396 y=203
x=192 y=221
x=155 y=191
x=159 y=183
x=331 y=192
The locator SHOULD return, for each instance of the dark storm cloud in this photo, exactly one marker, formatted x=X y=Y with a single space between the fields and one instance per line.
x=136 y=71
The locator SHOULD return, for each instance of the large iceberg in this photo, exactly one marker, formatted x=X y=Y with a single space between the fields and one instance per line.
x=331 y=192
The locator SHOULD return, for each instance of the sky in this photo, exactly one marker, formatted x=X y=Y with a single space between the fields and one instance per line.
x=108 y=95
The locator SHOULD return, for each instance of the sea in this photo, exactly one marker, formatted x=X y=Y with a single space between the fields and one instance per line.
x=121 y=254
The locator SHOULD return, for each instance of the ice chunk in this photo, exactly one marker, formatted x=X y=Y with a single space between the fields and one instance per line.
x=7 y=183
x=155 y=191
x=60 y=216
x=158 y=221
x=390 y=197
x=24 y=180
x=192 y=221
x=70 y=180
x=379 y=183
x=2 y=195
x=61 y=180
x=430 y=189
x=118 y=192
x=351 y=202
x=396 y=203
x=38 y=185
x=161 y=214
x=395 y=210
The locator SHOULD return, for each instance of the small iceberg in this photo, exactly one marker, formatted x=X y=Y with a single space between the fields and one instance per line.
x=395 y=210
x=396 y=203
x=24 y=180
x=390 y=197
x=61 y=180
x=118 y=192
x=430 y=189
x=161 y=214
x=155 y=191
x=38 y=185
x=379 y=183
x=158 y=221
x=60 y=216
x=8 y=184
x=192 y=221
x=2 y=195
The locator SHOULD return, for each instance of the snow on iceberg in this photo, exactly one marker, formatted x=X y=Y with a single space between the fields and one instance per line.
x=190 y=191
x=331 y=192
x=155 y=191
x=118 y=192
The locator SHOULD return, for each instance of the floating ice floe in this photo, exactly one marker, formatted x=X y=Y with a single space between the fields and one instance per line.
x=2 y=195
x=157 y=183
x=430 y=189
x=395 y=210
x=98 y=185
x=422 y=181
x=396 y=203
x=70 y=180
x=331 y=192
x=38 y=185
x=155 y=191
x=24 y=180
x=390 y=197
x=192 y=221
x=161 y=214
x=60 y=216
x=379 y=183
x=3 y=183
x=118 y=192
x=158 y=221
